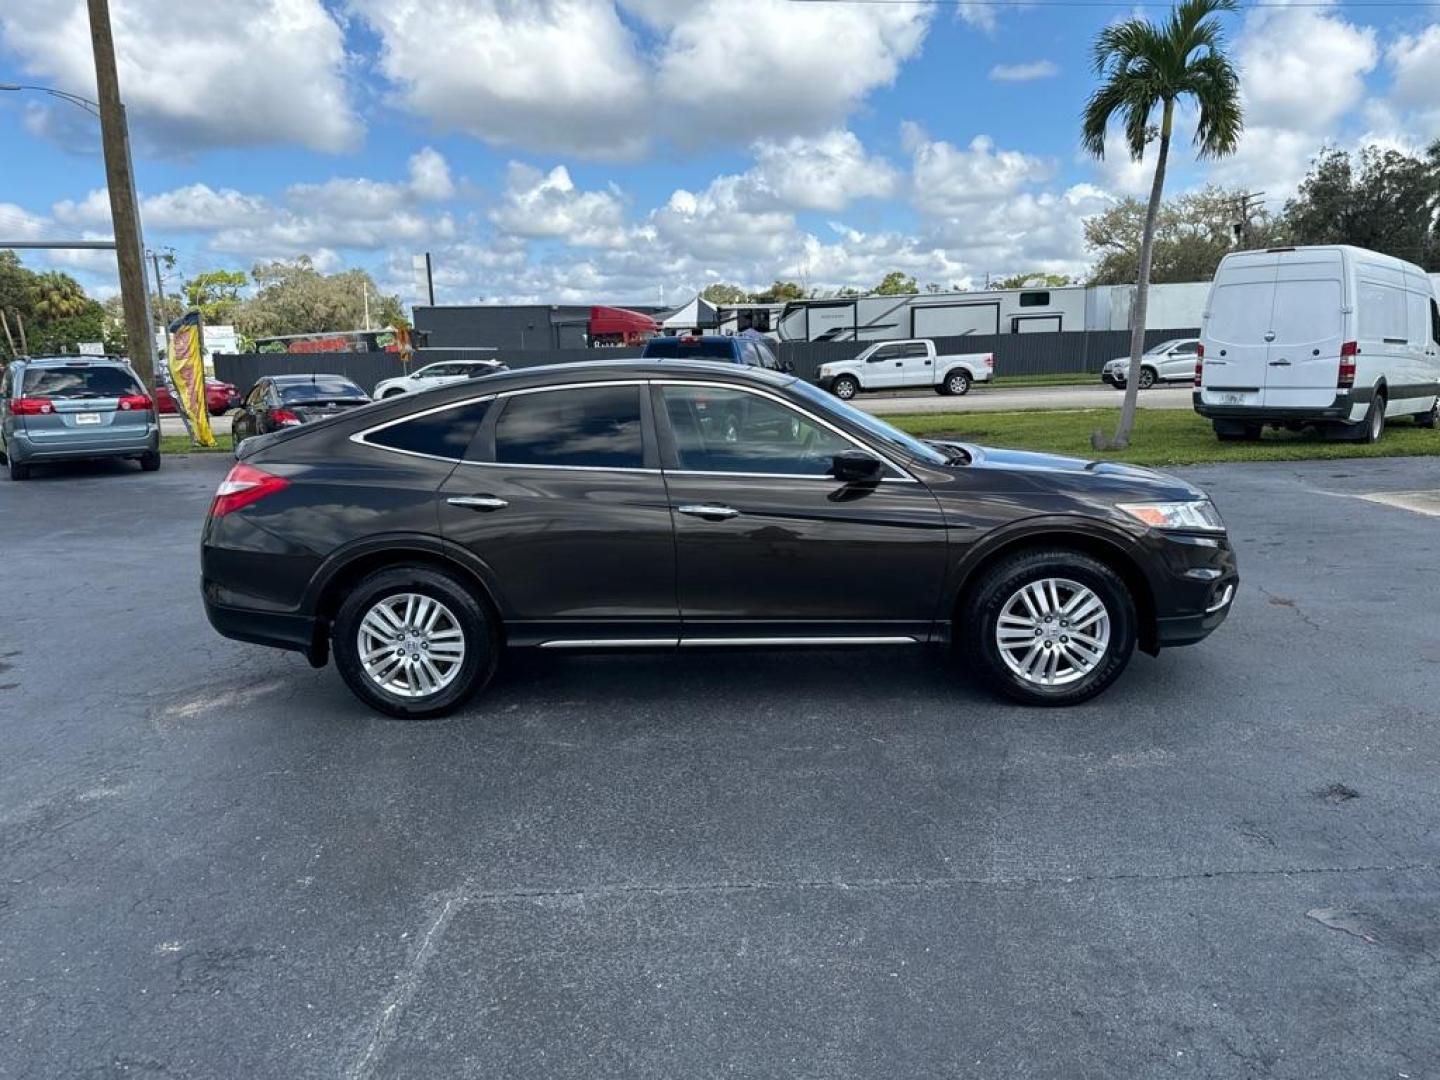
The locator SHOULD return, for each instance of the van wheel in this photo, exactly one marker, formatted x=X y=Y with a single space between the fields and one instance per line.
x=1049 y=627
x=1372 y=428
x=1147 y=378
x=845 y=388
x=1430 y=419
x=414 y=642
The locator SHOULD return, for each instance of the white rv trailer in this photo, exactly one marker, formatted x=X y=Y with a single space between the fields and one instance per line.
x=999 y=311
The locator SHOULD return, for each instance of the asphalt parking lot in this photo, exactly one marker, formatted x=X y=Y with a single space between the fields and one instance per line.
x=214 y=863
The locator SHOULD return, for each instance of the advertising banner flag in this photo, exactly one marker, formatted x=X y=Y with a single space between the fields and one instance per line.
x=185 y=368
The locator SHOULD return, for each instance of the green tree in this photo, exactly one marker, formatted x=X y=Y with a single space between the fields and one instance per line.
x=721 y=293
x=780 y=292
x=215 y=294
x=1192 y=234
x=896 y=283
x=1143 y=67
x=55 y=295
x=85 y=321
x=295 y=298
x=1021 y=281
x=1382 y=200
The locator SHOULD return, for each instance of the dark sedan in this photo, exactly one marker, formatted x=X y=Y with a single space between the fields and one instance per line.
x=602 y=506
x=278 y=402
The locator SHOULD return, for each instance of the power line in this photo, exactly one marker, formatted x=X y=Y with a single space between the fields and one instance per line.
x=1353 y=5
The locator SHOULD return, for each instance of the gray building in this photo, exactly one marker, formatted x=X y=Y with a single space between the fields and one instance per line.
x=507 y=327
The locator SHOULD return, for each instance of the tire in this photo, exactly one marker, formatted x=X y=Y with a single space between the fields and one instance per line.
x=1147 y=378
x=1075 y=577
x=957 y=383
x=1237 y=431
x=150 y=462
x=1372 y=428
x=1430 y=419
x=940 y=389
x=17 y=471
x=845 y=387
x=461 y=610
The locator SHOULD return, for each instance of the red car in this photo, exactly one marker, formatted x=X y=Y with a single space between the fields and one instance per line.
x=220 y=397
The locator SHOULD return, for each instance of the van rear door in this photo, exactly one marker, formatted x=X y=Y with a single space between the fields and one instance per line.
x=1237 y=330
x=1309 y=327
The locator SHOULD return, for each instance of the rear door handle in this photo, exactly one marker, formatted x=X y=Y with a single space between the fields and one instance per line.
x=708 y=511
x=478 y=502
x=1280 y=363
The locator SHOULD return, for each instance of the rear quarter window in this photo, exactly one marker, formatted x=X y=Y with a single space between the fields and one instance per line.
x=444 y=434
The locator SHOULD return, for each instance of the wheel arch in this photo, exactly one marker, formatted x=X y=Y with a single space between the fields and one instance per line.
x=1104 y=545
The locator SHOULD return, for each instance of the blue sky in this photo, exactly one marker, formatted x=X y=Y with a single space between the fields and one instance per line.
x=576 y=150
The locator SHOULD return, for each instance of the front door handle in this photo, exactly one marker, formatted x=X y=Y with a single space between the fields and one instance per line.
x=709 y=511
x=1282 y=362
x=478 y=502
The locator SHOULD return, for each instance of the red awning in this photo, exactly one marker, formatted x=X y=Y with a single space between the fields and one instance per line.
x=618 y=320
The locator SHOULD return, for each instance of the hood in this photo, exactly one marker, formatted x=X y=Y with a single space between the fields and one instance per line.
x=1028 y=468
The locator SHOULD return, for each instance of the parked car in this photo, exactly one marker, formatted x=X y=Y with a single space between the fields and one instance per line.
x=278 y=402
x=1171 y=361
x=433 y=375
x=61 y=408
x=1332 y=336
x=220 y=398
x=590 y=506
x=726 y=348
x=890 y=365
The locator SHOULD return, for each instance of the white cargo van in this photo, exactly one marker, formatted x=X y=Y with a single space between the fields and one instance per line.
x=1334 y=336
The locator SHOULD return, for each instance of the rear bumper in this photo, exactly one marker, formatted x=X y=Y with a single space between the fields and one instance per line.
x=69 y=446
x=1338 y=410
x=279 y=631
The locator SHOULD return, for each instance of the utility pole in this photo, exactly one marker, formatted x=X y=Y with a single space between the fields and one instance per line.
x=1242 y=227
x=124 y=213
x=159 y=290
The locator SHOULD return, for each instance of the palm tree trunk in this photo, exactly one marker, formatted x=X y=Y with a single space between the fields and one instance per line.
x=1142 y=284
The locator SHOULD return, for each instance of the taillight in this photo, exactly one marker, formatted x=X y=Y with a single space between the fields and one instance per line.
x=1199 y=365
x=990 y=361
x=136 y=401
x=284 y=417
x=243 y=485
x=30 y=406
x=1348 y=352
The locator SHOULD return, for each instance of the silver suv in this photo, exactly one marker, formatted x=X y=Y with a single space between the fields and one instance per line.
x=64 y=408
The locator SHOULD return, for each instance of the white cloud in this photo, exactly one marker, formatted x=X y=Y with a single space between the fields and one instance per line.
x=980 y=16
x=537 y=204
x=948 y=180
x=571 y=75
x=1415 y=61
x=243 y=73
x=1036 y=69
x=827 y=172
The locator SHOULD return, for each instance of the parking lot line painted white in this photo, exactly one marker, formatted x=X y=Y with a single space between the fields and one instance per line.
x=1417 y=502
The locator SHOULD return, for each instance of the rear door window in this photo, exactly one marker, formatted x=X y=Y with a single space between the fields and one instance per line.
x=1307 y=310
x=80 y=382
x=589 y=427
x=1240 y=312
x=444 y=434
x=319 y=389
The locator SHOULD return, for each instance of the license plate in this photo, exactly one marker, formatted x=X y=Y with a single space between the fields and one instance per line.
x=1233 y=399
x=87 y=418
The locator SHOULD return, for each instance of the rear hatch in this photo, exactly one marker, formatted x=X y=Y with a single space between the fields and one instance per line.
x=83 y=401
x=1274 y=330
x=693 y=348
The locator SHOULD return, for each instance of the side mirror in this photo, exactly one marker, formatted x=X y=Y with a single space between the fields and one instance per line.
x=856 y=467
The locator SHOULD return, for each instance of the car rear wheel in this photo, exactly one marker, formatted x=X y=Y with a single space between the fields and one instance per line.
x=150 y=462
x=957 y=384
x=1049 y=627
x=414 y=642
x=845 y=388
x=18 y=471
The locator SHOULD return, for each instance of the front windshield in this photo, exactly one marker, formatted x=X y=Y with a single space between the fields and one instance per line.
x=893 y=438
x=1164 y=347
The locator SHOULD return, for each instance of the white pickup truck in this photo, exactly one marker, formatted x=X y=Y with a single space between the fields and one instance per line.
x=890 y=365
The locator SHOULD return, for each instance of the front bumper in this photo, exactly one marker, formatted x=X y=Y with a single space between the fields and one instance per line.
x=1195 y=580
x=79 y=446
x=1113 y=378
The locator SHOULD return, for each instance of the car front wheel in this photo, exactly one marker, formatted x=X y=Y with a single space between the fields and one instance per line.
x=414 y=642
x=1049 y=627
x=845 y=388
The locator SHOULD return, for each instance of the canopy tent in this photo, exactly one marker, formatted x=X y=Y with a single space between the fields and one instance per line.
x=698 y=314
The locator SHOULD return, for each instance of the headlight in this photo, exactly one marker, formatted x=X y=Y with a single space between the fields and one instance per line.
x=1200 y=516
x=825 y=369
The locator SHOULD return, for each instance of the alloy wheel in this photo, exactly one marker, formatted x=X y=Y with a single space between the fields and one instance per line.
x=411 y=645
x=1053 y=632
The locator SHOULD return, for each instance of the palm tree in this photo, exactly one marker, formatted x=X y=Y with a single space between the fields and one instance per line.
x=54 y=295
x=1144 y=66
